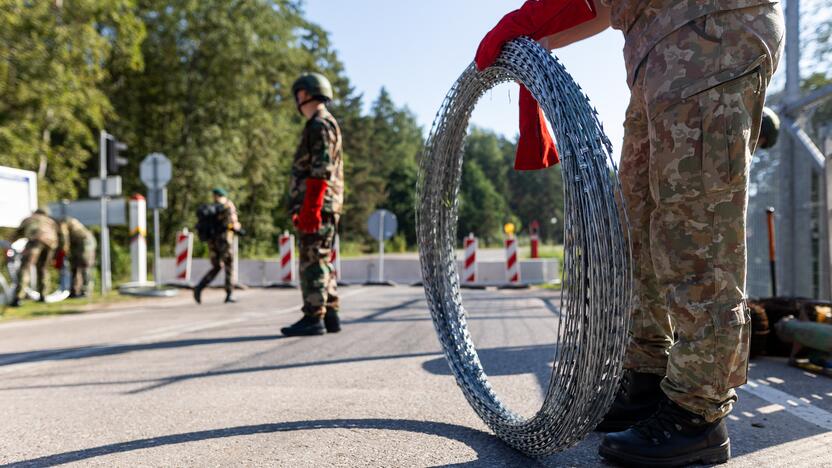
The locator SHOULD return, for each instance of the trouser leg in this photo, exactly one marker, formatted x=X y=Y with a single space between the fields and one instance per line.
x=228 y=266
x=216 y=265
x=315 y=269
x=76 y=283
x=43 y=261
x=29 y=258
x=651 y=334
x=705 y=87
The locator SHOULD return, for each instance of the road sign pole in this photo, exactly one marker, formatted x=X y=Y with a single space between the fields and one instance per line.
x=156 y=259
x=156 y=256
x=106 y=276
x=381 y=249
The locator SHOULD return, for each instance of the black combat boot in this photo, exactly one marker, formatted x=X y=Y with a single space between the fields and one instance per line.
x=229 y=299
x=198 y=293
x=638 y=397
x=307 y=326
x=332 y=321
x=673 y=436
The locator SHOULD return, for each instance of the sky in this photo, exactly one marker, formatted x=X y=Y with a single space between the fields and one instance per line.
x=417 y=49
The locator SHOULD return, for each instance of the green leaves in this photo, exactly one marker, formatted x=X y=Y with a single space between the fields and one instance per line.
x=54 y=66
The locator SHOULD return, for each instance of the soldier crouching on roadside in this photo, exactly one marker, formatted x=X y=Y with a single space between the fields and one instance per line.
x=44 y=238
x=81 y=250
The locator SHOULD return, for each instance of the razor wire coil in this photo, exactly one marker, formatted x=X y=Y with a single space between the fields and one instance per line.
x=596 y=295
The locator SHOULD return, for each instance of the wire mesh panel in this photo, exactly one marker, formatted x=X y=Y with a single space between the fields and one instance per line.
x=592 y=333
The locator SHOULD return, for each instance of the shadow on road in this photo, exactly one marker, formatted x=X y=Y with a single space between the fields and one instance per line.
x=490 y=450
x=60 y=354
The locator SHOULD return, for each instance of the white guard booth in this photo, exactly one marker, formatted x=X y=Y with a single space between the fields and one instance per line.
x=18 y=195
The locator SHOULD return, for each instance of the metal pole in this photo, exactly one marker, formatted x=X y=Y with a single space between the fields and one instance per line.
x=381 y=248
x=157 y=280
x=790 y=216
x=106 y=277
x=771 y=251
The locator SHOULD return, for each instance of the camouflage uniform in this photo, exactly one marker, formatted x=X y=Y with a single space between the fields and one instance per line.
x=698 y=73
x=44 y=238
x=221 y=251
x=319 y=156
x=81 y=256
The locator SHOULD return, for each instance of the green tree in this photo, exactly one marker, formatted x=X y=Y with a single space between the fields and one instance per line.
x=55 y=60
x=215 y=96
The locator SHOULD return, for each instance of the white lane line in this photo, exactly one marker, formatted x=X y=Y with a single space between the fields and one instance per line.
x=94 y=349
x=791 y=404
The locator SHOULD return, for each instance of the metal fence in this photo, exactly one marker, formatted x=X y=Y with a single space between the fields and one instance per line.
x=786 y=179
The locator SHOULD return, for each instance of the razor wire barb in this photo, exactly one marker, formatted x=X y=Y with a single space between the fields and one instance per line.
x=592 y=328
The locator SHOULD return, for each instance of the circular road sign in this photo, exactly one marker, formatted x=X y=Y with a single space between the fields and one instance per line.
x=155 y=171
x=382 y=225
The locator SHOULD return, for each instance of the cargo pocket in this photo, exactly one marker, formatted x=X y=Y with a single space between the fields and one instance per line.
x=731 y=112
x=732 y=326
x=702 y=143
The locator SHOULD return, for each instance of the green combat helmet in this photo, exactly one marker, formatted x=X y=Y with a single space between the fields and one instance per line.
x=315 y=84
x=769 y=128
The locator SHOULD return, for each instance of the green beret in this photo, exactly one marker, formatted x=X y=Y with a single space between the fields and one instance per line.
x=220 y=192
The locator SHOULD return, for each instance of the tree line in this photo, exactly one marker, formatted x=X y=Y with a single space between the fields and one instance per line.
x=208 y=83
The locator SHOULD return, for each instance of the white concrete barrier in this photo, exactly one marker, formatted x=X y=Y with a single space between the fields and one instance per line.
x=261 y=273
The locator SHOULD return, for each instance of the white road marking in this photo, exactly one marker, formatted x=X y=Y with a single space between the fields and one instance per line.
x=783 y=401
x=150 y=338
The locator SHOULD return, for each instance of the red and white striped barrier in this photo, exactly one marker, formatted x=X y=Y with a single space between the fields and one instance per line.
x=335 y=257
x=286 y=250
x=512 y=265
x=184 y=255
x=469 y=270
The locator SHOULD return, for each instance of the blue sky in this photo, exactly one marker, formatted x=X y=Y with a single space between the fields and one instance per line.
x=417 y=49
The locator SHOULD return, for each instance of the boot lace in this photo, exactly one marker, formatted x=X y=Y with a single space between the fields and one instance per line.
x=660 y=426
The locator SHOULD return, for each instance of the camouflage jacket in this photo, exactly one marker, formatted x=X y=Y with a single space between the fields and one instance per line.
x=79 y=239
x=319 y=157
x=41 y=228
x=228 y=218
x=646 y=22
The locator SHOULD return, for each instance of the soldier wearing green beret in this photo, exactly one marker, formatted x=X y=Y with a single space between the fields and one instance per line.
x=220 y=246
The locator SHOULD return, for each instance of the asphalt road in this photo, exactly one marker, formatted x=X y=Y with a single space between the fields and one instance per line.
x=170 y=383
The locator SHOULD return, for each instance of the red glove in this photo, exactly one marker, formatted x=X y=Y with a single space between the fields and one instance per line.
x=535 y=148
x=309 y=219
x=536 y=19
x=59 y=259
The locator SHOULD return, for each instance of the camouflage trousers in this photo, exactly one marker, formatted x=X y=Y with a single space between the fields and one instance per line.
x=317 y=282
x=222 y=258
x=39 y=255
x=691 y=129
x=81 y=259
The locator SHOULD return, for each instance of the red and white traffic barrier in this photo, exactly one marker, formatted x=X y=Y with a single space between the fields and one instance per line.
x=286 y=251
x=184 y=255
x=512 y=264
x=469 y=270
x=335 y=257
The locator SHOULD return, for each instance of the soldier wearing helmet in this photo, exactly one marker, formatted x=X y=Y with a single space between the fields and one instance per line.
x=317 y=196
